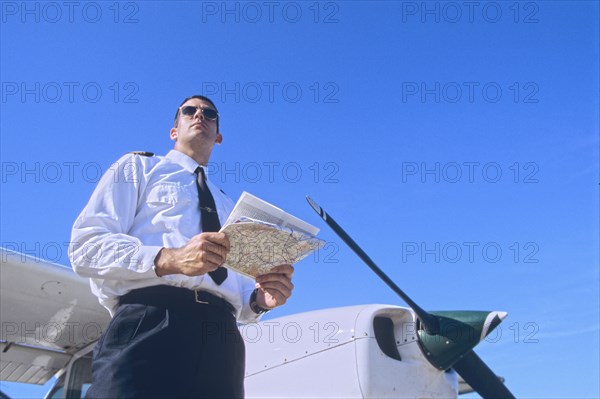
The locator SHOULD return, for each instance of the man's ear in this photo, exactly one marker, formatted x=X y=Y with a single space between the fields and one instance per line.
x=173 y=134
x=219 y=138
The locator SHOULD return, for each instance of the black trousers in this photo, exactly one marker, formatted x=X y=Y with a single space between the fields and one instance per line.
x=170 y=346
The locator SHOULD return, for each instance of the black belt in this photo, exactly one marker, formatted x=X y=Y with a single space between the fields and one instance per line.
x=175 y=297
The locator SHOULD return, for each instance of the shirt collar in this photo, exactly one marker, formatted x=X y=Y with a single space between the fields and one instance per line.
x=184 y=161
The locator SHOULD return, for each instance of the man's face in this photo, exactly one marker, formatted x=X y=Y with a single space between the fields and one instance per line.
x=196 y=130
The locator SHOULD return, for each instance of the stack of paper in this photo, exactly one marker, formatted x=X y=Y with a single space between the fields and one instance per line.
x=262 y=236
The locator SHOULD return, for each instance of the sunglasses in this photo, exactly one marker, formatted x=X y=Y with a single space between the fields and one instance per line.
x=209 y=113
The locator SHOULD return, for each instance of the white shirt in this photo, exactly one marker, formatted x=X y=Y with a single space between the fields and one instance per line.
x=142 y=204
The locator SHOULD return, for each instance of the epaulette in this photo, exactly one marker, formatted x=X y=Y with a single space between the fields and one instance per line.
x=144 y=153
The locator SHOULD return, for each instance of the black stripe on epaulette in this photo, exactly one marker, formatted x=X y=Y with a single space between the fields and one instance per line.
x=223 y=191
x=144 y=153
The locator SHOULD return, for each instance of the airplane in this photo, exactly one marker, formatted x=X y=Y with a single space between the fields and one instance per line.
x=51 y=323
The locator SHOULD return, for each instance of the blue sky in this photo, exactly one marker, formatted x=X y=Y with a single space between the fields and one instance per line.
x=456 y=142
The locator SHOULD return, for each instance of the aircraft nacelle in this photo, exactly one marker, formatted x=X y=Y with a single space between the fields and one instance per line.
x=368 y=351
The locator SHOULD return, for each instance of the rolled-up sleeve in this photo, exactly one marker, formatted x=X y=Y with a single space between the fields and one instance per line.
x=100 y=245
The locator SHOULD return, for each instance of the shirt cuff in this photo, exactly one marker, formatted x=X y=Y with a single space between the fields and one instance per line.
x=146 y=257
x=247 y=315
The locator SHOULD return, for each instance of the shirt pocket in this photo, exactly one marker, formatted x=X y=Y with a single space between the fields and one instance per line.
x=168 y=195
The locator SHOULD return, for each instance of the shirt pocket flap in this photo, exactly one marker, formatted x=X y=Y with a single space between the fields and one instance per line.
x=166 y=193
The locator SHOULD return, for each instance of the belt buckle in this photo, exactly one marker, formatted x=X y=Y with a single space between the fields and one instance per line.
x=198 y=299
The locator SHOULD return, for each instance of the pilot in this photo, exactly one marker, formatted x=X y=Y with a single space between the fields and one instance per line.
x=148 y=240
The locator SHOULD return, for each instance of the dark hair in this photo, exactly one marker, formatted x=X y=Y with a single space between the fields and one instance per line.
x=203 y=98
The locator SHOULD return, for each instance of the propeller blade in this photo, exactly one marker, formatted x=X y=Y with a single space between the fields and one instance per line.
x=470 y=367
x=480 y=377
x=428 y=321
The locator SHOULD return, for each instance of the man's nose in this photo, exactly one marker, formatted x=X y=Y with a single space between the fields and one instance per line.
x=199 y=114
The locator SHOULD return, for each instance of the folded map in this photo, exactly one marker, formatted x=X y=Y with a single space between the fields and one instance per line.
x=262 y=236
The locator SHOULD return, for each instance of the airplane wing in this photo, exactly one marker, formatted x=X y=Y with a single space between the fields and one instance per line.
x=47 y=314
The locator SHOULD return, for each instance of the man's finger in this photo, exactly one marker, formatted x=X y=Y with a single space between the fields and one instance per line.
x=276 y=282
x=282 y=288
x=286 y=270
x=275 y=277
x=212 y=258
x=280 y=298
x=211 y=247
x=216 y=238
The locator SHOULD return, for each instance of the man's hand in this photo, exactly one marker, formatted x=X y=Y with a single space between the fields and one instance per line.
x=203 y=253
x=274 y=288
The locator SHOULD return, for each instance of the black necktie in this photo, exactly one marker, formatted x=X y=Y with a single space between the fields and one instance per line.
x=209 y=217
